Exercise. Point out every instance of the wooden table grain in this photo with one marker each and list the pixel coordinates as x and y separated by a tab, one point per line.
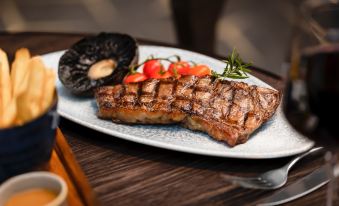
126	173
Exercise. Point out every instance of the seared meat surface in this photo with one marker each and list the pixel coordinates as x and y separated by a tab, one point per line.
227	110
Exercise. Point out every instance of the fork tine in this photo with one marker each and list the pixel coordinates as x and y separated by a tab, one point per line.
230	177
254	185
248	182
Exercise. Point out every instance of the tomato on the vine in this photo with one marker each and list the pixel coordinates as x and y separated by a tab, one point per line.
179	68
136	77
152	67
200	70
161	75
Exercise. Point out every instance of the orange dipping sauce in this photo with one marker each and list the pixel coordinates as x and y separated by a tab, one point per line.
32	197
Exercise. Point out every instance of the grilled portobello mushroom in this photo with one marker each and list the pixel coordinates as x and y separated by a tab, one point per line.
96	61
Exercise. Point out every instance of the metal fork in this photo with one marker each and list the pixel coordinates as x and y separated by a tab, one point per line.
272	179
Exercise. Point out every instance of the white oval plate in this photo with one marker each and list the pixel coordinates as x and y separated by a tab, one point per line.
274	139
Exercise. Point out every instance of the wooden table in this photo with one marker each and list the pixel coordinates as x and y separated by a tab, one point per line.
127	173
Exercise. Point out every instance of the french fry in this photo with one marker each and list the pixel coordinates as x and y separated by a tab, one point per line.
7	103
27	91
29	103
49	88
5	83
20	72
9	114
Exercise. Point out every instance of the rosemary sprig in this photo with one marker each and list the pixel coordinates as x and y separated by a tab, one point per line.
235	67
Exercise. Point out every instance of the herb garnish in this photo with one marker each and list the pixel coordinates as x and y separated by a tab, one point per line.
235	67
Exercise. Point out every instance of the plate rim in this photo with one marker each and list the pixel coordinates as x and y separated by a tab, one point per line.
179	148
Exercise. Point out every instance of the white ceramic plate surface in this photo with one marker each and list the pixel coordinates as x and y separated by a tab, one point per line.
276	138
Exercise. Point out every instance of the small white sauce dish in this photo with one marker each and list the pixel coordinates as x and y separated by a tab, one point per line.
32	180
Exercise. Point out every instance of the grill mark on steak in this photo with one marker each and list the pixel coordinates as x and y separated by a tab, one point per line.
227	110
229	99
147	93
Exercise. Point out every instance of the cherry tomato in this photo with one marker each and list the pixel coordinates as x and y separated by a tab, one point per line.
152	66
179	68
136	77
200	70
161	75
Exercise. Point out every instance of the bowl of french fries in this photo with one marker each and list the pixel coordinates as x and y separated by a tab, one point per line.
28	116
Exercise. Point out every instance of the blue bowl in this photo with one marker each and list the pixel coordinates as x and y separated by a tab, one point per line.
26	147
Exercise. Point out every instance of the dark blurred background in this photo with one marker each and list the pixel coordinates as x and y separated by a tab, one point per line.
260	30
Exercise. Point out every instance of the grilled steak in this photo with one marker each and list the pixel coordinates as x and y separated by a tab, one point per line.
227	110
